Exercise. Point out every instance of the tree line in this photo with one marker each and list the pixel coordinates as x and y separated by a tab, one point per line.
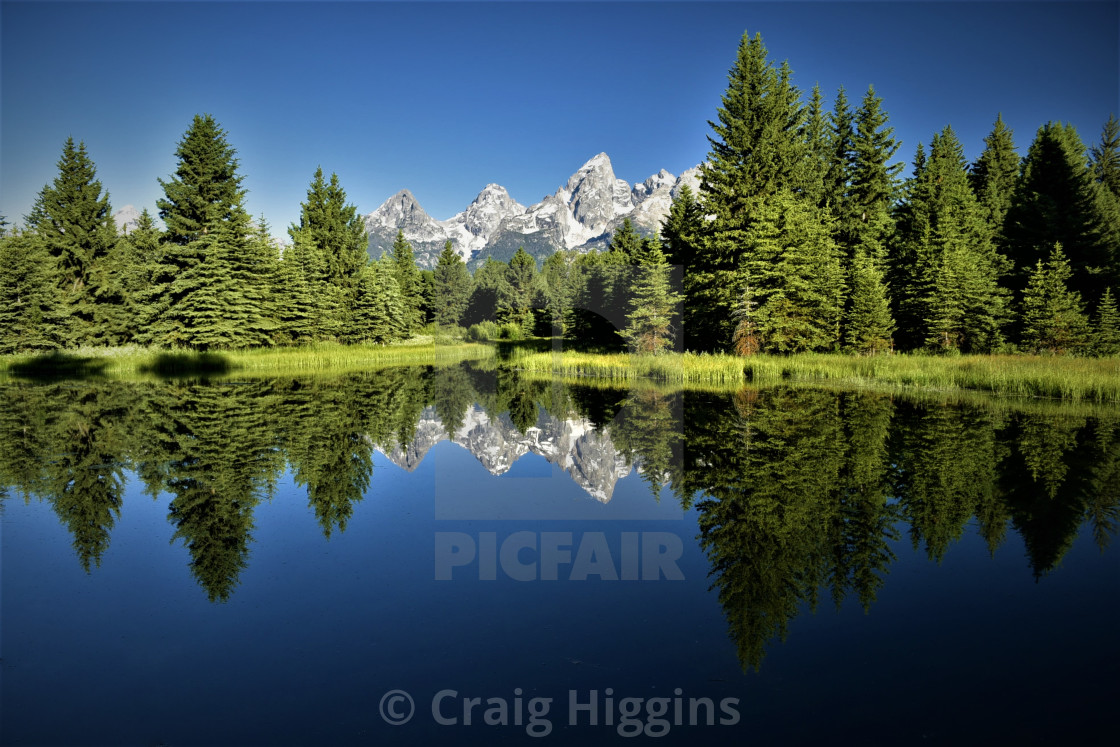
802	237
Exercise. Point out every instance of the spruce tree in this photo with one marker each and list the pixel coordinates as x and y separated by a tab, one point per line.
31	313
872	191
869	325
757	152
409	282
1106	331
377	307
682	227
796	276
993	176
1105	157
1053	320
451	288
205	188
523	285
945	270
840	155
75	221
331	243
490	287
1057	202
815	134
652	304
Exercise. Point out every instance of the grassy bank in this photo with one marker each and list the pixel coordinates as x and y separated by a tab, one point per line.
131	362
1074	379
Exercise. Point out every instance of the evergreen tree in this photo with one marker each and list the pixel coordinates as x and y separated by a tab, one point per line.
75	221
869	324
331	243
31	315
293	307
815	134
218	302
945	271
993	177
490	287
682	227
756	153
377	311
840	155
523	285
794	266
141	256
1057	202
1053	320
1105	157
652	304
451	288
1106	332
409	282
211	284
205	189
865	221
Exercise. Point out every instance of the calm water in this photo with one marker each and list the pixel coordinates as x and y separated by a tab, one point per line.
300	562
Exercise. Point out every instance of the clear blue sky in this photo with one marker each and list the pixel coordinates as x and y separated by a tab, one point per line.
443	98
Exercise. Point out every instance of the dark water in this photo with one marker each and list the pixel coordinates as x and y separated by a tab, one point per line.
265	562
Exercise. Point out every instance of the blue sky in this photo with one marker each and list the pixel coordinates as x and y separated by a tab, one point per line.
443	98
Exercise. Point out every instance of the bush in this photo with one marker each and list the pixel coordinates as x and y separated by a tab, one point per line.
483	332
511	331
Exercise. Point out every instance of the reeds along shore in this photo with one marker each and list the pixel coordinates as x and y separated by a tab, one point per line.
1092	379
1074	379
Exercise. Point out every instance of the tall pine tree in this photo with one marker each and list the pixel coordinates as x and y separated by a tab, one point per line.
74	219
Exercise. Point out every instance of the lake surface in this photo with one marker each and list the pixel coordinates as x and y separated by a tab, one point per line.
303	562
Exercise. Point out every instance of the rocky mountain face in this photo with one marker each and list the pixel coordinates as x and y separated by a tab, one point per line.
586	454
582	214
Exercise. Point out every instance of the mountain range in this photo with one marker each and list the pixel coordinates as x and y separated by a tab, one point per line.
581	214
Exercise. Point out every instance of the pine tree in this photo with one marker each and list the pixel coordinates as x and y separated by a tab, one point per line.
993	177
1105	157
869	324
682	227
1053	320
523	285
873	187
141	259
74	219
31	314
840	155
409	282
1106	332
331	243
490	287
1057	202
451	288
757	152
796	276
945	271
210	287
652	303
293	306
205	189
815	134
377	307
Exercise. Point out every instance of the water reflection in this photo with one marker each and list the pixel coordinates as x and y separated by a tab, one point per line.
798	493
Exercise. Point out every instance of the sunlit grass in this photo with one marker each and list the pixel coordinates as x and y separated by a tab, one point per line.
1094	379
132	361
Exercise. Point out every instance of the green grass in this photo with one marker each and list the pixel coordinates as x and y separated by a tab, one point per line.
1074	379
130	362
1071	379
